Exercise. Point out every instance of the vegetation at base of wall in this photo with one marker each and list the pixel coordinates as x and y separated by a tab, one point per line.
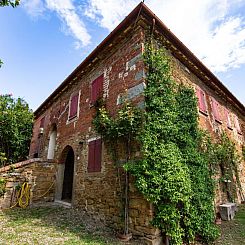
2	186
16	119
179	162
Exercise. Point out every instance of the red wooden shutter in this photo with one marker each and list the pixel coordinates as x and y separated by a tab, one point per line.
216	113
201	100
91	156
42	122
97	88
94	156
237	125
228	119
73	106
98	149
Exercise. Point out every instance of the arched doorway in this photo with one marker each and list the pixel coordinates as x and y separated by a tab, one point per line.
52	142
65	175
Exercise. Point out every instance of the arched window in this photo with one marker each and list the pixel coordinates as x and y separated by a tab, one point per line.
52	142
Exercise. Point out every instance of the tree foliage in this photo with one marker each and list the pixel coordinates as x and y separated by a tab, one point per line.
16	120
14	4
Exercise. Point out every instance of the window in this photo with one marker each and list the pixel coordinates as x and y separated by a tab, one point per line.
42	122
94	155
52	142
216	110
228	119
237	125
201	101
73	106
97	88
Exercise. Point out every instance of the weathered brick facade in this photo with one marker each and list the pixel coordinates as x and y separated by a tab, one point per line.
119	59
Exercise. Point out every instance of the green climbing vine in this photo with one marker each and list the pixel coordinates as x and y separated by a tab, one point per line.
120	131
179	161
174	174
225	160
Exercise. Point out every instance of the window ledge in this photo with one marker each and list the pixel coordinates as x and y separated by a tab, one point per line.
218	121
203	113
72	119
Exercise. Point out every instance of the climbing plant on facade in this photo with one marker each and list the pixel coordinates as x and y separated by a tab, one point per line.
174	174
226	163
119	132
178	160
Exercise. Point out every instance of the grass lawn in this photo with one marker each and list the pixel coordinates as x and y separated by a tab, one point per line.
56	225
233	232
51	225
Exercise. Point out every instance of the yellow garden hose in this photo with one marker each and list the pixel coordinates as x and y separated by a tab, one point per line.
23	195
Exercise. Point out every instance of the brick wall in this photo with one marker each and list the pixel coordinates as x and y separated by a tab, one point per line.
123	68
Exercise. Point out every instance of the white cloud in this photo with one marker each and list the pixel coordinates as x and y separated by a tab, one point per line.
34	8
66	11
209	28
108	13
206	27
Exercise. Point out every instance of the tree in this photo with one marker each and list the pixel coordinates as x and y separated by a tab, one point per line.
16	119
4	3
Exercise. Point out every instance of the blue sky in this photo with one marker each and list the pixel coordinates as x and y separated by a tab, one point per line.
43	41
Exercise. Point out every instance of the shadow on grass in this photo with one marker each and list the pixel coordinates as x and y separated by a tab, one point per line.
52	225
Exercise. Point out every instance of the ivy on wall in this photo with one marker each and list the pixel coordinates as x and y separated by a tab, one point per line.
178	161
225	160
120	132
174	174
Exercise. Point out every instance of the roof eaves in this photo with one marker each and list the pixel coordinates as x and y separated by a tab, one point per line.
127	21
167	33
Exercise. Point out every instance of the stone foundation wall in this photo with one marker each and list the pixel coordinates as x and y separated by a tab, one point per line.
39	174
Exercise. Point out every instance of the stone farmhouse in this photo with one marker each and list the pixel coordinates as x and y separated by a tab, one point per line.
63	132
